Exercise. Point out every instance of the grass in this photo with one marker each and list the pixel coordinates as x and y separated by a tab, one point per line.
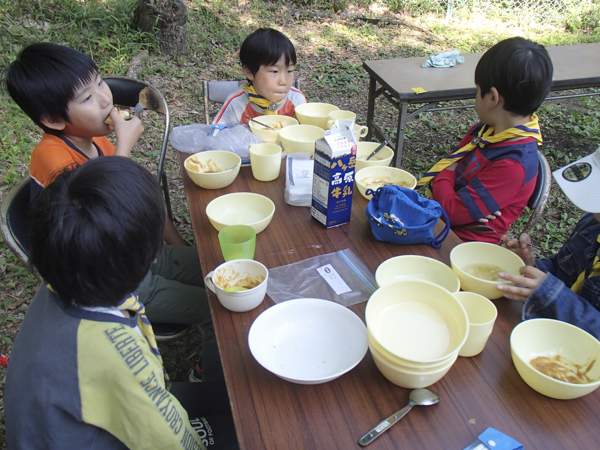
331	48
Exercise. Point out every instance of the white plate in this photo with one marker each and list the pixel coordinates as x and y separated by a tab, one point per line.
308	340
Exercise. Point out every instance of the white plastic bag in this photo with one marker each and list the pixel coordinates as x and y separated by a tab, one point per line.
195	138
298	179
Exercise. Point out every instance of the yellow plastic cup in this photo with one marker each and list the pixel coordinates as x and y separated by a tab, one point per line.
237	242
265	160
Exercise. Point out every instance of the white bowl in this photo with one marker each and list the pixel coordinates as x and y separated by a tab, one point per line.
241	208
267	135
548	337
416	267
237	273
226	166
308	340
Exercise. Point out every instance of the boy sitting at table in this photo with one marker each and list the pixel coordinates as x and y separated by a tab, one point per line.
491	175
61	90
268	60
566	286
85	371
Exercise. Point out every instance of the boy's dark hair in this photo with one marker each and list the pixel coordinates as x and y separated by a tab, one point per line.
96	229
45	77
521	71
264	47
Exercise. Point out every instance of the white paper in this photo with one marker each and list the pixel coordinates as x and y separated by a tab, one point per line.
333	278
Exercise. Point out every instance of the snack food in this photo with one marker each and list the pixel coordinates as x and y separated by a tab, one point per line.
123	113
563	369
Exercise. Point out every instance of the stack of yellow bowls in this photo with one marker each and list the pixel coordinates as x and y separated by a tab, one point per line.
416	329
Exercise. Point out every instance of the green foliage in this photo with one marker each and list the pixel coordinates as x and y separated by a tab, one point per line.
103	29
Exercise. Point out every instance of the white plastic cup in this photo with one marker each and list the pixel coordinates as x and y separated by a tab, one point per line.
481	313
265	160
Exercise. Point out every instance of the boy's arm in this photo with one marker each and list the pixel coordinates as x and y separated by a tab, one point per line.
127	133
494	188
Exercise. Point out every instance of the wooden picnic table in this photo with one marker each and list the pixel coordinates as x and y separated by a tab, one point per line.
575	67
477	393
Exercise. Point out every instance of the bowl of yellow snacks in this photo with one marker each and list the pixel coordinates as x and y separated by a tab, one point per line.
266	134
213	169
375	177
477	265
555	358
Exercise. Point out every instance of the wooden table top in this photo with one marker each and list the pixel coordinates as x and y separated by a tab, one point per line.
477	393
575	66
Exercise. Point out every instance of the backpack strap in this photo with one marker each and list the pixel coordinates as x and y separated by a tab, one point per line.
437	241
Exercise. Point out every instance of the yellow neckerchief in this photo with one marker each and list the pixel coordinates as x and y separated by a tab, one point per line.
588	273
485	137
133	304
269	106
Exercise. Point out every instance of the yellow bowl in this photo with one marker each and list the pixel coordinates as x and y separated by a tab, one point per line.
417	322
382	158
227	163
548	337
409	379
300	138
278	122
316	114
470	257
417	267
241	208
376	176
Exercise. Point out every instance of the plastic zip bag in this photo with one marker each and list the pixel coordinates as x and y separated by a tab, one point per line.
339	277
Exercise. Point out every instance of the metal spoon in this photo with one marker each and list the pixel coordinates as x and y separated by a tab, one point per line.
379	147
422	397
260	123
481	228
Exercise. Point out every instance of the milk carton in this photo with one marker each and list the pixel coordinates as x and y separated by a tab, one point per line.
333	178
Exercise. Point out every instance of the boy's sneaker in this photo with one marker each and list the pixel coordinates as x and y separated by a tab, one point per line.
196	373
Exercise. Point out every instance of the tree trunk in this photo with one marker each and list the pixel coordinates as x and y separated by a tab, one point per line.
167	18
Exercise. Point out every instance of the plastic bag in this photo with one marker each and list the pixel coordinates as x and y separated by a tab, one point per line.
339	277
298	179
195	138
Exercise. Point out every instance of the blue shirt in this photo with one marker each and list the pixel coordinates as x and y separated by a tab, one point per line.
553	297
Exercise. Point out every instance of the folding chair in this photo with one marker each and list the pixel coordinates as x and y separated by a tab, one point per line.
217	92
15	230
15	223
539	198
126	92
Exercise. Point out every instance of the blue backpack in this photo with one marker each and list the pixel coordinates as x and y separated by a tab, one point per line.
401	216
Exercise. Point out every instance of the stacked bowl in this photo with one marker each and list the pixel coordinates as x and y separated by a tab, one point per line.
416	329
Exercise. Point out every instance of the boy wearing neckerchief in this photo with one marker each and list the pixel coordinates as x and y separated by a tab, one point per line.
566	286
268	59
491	175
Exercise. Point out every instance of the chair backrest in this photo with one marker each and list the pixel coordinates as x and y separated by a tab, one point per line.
14	221
126	92
217	91
541	192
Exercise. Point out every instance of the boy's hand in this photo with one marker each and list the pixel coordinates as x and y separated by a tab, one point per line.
521	247
490	217
531	279
127	132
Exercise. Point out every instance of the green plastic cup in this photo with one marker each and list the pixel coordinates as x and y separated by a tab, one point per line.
237	242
